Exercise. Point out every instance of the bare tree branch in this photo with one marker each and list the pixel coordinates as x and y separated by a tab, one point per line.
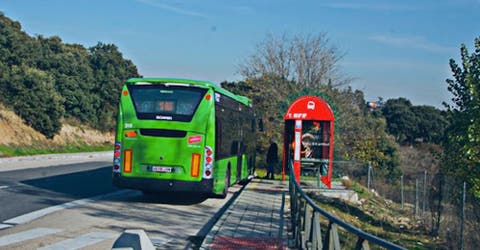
309	60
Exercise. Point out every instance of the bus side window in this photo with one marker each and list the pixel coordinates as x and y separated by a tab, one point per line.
218	134
234	148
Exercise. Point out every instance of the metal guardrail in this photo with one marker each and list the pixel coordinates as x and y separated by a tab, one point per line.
306	227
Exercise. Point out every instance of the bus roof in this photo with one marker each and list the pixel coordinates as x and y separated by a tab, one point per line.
242	99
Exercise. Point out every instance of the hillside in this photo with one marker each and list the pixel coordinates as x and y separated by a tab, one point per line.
18	138
47	82
378	216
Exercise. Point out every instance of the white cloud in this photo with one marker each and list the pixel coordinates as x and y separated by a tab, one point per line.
411	42
171	8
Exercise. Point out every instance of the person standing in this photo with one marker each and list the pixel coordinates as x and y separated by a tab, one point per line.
272	158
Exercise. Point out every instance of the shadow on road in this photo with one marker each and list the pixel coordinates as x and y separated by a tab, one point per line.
98	181
77	185
171	198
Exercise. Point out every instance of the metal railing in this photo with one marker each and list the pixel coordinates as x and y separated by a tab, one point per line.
307	232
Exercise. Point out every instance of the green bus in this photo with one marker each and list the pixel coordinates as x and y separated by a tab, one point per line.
179	135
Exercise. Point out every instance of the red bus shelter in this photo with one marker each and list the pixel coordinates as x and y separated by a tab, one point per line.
308	138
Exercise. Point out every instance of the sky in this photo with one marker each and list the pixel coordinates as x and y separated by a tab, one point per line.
390	49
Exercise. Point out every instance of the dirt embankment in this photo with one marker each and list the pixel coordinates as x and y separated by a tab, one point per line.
15	133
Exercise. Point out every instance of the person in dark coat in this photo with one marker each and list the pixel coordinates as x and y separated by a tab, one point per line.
272	158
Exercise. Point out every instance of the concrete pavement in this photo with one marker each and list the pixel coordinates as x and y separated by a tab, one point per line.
256	219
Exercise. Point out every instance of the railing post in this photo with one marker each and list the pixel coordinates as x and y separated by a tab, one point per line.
317	232
298	221
306	227
293	206
332	240
362	244
306	235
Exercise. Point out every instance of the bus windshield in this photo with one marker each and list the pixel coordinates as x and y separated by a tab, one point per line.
162	102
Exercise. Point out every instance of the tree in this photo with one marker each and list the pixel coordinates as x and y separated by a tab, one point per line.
36	100
410	123
73	77
360	135
401	121
110	70
462	145
284	68
46	81
267	94
431	124
308	60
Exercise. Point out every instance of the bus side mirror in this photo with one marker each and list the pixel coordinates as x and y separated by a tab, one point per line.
260	125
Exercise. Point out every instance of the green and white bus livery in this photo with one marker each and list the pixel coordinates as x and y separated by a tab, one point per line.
178	135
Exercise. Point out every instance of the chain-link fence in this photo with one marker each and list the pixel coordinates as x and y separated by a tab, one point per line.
441	207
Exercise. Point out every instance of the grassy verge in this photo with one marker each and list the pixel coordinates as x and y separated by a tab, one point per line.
36	149
378	216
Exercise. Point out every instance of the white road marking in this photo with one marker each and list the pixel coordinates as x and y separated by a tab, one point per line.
42	212
27	235
3	187
80	241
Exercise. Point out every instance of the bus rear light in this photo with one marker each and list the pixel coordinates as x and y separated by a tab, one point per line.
208	163
116	157
195	165
131	133
209	159
208	151
127	161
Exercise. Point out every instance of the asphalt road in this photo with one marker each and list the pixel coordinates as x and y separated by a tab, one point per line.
27	190
75	220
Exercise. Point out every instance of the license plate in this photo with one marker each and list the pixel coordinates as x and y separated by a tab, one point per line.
161	169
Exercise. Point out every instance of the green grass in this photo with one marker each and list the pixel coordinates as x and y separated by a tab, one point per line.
262	172
378	217
36	149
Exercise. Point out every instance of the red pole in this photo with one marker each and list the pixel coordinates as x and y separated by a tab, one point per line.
330	160
285	148
296	170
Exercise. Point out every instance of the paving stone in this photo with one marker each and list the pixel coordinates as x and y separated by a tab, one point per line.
253	220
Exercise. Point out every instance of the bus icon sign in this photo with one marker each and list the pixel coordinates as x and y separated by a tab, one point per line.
311	105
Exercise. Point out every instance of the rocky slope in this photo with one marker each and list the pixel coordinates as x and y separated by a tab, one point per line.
16	133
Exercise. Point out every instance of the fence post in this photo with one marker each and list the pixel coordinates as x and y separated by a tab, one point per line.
462	225
401	184
369	173
416	198
424	194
